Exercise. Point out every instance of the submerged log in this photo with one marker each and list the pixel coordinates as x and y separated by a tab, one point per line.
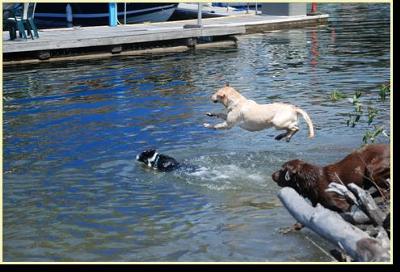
331	226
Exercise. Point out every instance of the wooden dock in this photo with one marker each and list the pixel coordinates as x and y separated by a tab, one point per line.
105	40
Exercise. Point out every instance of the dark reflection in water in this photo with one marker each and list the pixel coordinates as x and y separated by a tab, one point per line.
73	192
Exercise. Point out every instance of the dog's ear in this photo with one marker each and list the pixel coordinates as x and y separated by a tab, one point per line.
292	169
290	172
287	175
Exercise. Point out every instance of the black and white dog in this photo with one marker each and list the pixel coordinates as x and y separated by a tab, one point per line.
157	161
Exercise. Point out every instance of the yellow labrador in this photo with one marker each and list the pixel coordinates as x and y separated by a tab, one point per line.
251	116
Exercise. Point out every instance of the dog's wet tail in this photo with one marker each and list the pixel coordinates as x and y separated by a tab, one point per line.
308	121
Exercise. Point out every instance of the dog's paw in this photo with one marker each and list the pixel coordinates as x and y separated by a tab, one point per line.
294	228
281	136
207	125
298	226
285	230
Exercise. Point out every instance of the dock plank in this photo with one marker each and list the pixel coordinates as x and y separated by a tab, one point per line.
84	37
102	38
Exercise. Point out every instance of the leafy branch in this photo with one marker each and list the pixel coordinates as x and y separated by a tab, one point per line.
373	131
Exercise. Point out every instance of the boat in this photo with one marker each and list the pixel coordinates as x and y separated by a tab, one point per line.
186	11
49	15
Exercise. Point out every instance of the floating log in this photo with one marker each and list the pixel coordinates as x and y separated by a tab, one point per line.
331	226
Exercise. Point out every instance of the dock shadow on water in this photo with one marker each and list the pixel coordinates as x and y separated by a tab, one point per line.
72	190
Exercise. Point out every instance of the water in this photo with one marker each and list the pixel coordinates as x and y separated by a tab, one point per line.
73	191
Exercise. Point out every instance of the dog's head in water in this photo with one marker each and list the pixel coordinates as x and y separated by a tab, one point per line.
157	161
146	156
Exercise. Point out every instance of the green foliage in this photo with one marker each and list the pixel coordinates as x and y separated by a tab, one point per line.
371	135
384	91
373	131
355	116
372	113
337	95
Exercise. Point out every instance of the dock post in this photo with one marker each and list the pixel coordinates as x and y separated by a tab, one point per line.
256	8
124	13
314	7
199	14
313	10
68	12
113	17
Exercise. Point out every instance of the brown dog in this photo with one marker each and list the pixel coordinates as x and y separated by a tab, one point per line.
367	166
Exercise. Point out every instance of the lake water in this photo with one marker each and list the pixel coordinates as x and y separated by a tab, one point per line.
71	131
